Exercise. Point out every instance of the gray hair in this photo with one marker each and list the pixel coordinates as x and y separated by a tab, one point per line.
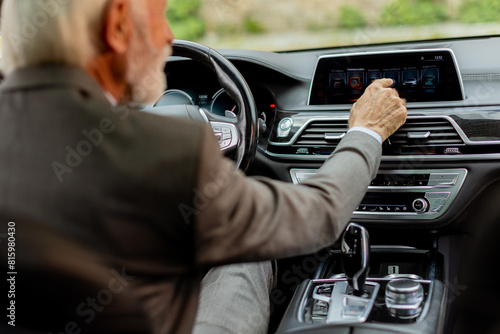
50	31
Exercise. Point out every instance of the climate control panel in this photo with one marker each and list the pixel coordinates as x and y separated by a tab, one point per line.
404	194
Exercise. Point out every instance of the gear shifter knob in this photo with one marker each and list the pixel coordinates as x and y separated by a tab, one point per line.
356	256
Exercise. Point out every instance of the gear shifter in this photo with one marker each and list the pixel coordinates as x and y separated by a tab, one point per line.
356	256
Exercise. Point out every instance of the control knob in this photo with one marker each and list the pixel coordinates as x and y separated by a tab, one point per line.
404	298
420	205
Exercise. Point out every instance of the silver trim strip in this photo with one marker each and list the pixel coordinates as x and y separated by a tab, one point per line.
334	136
204	115
383	247
372	279
462	157
418	135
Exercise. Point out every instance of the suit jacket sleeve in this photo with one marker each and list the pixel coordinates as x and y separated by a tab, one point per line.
250	219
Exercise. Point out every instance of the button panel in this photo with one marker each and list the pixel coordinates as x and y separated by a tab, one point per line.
404	194
417	180
226	134
382	208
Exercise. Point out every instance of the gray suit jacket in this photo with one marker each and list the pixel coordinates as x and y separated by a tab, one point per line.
154	195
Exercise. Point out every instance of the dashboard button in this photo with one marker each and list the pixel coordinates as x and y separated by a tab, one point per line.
284	127
420	205
286	124
225	143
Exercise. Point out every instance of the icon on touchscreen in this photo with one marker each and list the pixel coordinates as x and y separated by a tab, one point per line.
430	78
356	83
410	79
339	84
429	82
394	75
372	76
337	81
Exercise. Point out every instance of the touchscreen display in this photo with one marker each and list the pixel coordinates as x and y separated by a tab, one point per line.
420	76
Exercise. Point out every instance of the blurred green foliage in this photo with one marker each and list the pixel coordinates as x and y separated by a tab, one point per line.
350	17
474	11
414	12
248	25
185	19
253	26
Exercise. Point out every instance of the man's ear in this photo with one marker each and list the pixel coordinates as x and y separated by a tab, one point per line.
118	25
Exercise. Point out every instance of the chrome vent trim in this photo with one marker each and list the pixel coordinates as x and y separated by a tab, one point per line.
415	132
322	133
426	132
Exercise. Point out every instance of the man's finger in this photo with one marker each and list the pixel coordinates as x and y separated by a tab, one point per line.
386	83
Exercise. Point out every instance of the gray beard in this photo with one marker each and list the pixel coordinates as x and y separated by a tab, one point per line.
145	76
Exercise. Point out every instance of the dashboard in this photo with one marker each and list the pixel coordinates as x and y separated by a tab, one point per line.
433	167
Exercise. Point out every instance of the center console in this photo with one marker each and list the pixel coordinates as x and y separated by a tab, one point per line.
397	284
369	289
382	288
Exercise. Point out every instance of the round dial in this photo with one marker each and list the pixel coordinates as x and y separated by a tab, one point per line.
174	97
224	105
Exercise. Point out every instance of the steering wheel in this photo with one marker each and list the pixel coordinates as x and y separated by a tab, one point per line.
237	135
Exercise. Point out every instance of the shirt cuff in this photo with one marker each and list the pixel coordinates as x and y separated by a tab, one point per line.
368	132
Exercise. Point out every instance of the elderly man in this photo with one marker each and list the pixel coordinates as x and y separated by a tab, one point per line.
113	179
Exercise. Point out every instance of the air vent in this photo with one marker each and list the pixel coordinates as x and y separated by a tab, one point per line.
418	136
428	132
322	133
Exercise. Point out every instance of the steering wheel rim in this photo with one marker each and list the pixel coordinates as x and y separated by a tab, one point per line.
235	85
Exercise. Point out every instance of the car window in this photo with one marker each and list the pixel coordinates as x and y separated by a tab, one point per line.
300	24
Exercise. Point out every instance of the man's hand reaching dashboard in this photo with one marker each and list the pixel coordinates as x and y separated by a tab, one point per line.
379	109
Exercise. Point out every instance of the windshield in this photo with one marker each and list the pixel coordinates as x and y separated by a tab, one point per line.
277	25
281	25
